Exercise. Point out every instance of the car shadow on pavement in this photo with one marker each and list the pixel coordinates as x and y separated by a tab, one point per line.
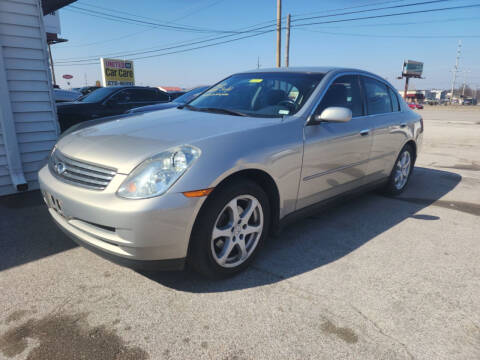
27	232
327	236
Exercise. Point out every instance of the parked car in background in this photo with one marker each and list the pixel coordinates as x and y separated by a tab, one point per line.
172	91
107	101
61	95
188	96
87	89
206	183
415	106
175	94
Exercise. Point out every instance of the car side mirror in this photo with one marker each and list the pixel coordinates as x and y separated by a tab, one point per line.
333	114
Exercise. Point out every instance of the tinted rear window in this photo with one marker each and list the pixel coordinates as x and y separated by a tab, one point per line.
378	98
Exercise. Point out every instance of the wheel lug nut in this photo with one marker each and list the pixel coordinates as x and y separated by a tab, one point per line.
244	226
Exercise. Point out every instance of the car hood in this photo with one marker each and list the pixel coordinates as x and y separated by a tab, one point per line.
154	107
124	143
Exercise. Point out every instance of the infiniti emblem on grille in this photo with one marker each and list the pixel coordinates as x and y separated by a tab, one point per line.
60	168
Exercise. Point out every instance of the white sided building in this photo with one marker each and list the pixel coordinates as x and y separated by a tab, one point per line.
28	120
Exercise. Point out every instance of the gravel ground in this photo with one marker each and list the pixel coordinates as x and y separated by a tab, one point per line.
374	278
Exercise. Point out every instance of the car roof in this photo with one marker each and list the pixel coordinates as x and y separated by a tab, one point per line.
130	86
306	70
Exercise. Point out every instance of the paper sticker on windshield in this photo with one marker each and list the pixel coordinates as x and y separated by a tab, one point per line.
284	112
255	80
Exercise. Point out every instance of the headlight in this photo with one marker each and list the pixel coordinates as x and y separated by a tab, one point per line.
156	175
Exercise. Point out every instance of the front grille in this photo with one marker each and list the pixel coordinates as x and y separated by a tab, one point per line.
80	173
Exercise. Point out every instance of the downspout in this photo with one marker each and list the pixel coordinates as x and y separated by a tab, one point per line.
7	124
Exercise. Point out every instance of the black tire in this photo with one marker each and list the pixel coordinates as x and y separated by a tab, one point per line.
200	256
391	188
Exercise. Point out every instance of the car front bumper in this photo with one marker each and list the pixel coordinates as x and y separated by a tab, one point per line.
135	233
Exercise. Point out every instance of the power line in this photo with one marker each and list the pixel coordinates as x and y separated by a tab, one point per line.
130	13
198	10
350	7
134	33
388	15
131	20
201	8
170	22
149	50
369	10
185	50
394	36
86	61
399	23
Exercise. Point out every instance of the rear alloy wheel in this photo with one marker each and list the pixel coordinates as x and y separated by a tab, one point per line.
401	172
230	229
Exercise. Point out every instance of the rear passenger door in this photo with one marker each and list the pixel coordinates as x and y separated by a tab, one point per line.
383	110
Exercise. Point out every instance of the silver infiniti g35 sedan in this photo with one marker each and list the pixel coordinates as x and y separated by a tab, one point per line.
205	183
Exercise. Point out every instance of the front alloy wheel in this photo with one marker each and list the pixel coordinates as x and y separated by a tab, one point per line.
236	231
230	229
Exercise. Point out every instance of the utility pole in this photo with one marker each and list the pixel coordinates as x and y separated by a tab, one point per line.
258	62
455	69
86	82
279	32
51	65
287	45
405	90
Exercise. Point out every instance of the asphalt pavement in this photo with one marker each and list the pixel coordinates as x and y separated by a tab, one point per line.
372	278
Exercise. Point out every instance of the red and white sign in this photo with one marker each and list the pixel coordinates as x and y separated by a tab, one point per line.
67	76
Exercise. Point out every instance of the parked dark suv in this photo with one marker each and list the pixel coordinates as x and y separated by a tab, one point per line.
107	101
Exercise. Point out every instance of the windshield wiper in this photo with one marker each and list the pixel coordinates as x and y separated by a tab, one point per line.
213	109
221	111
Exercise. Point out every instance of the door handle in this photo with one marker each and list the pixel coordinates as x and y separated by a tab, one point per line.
402	125
365	132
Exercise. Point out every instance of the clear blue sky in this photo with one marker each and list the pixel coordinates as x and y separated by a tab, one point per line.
378	45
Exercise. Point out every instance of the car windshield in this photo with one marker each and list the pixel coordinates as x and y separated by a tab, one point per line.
190	95
258	94
98	95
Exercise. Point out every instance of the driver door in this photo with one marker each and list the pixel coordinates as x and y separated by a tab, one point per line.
336	155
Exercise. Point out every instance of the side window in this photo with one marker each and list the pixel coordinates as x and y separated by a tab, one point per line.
121	97
143	95
161	96
378	98
395	103
344	92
